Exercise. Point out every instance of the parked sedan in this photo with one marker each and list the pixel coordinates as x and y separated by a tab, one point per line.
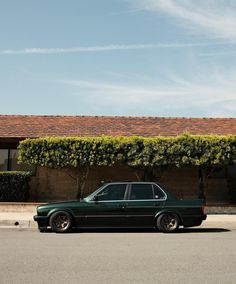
123	205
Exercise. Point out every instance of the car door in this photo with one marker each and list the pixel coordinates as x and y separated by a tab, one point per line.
107	207
142	204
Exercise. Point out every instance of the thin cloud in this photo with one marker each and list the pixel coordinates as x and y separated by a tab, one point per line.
182	97
217	54
114	92
217	90
217	18
104	48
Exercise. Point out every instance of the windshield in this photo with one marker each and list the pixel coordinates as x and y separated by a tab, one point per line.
90	197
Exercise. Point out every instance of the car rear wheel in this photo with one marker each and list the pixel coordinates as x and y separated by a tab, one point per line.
60	222
168	222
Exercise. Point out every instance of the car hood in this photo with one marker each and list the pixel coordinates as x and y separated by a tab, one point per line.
64	204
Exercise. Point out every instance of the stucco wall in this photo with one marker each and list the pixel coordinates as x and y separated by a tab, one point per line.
57	184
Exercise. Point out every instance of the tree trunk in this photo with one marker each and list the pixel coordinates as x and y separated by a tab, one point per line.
203	184
149	174
82	178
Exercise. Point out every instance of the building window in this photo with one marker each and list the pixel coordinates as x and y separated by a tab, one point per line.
3	159
8	162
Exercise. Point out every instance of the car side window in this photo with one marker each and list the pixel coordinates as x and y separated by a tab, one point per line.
158	193
112	192
141	192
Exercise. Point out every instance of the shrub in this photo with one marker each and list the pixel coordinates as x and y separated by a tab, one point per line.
177	151
14	186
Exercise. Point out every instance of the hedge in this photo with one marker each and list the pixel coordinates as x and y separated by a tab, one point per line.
132	151
14	186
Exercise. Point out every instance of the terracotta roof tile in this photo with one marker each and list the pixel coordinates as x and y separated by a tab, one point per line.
22	126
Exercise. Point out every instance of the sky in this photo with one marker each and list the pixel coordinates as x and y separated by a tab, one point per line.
171	58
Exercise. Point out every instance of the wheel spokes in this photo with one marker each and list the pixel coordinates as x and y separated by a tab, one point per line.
169	222
61	221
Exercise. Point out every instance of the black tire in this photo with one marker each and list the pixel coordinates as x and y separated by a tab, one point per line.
42	230
167	222
60	222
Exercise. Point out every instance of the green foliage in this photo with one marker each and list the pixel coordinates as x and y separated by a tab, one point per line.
132	151
14	186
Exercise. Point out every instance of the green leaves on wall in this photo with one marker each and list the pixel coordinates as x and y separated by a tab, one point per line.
14	186
132	151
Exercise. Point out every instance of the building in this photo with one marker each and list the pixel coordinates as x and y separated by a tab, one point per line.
56	184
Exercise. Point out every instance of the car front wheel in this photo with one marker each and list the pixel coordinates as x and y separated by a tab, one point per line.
168	222
60	222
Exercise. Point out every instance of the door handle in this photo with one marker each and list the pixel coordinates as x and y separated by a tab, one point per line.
122	206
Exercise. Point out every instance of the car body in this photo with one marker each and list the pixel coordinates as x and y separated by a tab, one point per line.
123	205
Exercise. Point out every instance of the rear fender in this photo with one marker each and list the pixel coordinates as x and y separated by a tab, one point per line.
159	213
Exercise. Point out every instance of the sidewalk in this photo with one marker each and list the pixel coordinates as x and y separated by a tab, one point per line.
17	220
220	221
17	215
24	219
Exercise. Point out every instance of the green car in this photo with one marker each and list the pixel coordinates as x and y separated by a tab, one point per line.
123	205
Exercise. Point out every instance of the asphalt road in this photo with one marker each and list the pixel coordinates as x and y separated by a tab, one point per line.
201	255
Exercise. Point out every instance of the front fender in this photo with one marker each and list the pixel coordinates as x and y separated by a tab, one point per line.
68	210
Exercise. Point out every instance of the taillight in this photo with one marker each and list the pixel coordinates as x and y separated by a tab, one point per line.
202	210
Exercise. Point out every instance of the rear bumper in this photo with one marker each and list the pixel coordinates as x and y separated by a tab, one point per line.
193	221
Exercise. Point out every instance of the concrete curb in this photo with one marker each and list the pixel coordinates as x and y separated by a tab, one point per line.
220	210
25	221
21	224
17	207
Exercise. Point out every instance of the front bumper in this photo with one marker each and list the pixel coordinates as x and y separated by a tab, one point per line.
42	221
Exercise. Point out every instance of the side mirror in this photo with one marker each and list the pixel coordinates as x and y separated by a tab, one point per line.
95	198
